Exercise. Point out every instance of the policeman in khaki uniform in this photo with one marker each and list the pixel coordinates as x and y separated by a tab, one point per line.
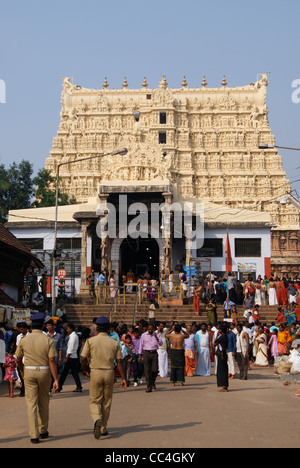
39	354
98	362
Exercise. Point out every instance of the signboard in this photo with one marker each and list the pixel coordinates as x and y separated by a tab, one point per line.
61	274
20	315
247	267
190	271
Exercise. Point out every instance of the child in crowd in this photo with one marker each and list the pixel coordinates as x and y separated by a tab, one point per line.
127	357
10	365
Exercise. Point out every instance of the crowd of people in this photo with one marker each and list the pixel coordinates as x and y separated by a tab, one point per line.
196	345
140	354
230	293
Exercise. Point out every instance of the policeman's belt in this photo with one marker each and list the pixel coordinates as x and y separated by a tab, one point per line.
37	367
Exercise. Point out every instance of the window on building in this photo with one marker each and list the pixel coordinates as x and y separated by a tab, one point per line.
33	243
69	243
211	248
248	247
162	138
162	118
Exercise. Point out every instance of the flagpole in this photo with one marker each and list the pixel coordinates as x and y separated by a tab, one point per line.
227	268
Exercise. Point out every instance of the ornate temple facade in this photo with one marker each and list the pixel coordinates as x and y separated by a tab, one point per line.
200	143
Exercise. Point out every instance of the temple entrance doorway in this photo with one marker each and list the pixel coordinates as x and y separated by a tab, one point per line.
141	256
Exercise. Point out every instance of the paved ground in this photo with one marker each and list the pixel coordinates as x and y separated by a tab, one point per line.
260	412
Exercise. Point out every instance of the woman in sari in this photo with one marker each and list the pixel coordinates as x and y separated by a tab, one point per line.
112	286
297	311
261	349
281	318
282	296
234	315
284	340
197	297
273	345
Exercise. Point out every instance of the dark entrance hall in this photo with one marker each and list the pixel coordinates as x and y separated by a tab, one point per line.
141	256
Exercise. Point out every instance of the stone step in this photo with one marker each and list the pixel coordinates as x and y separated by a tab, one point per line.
82	315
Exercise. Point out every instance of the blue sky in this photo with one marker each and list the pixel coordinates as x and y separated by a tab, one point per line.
43	41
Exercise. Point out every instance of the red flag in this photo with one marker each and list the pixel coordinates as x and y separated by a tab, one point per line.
228	253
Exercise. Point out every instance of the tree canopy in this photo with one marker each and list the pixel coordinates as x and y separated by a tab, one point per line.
20	190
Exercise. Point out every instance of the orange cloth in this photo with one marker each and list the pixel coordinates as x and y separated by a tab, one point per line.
297	311
196	301
282	297
284	338
190	363
281	318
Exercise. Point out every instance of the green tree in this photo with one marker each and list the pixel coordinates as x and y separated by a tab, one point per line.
4	185
45	191
21	189
16	187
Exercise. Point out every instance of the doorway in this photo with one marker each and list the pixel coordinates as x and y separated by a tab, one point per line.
141	256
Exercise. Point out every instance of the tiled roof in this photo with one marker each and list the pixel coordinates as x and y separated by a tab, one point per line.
7	238
6	300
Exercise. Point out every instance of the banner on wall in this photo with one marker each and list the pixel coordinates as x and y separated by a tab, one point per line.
20	315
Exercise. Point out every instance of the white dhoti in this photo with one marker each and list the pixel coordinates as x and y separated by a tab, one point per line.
162	363
231	364
203	362
293	299
272	296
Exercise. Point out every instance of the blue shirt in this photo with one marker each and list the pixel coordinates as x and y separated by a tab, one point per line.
101	278
231	342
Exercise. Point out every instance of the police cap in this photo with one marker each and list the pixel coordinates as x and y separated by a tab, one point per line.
102	321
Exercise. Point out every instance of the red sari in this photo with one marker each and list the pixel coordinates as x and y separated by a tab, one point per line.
281	293
297	311
196	302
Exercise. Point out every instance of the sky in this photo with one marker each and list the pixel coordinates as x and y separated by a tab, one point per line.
41	42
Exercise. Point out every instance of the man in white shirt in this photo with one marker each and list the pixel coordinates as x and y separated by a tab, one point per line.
23	329
71	360
163	351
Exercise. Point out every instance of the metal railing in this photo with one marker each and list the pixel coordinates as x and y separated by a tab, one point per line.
124	294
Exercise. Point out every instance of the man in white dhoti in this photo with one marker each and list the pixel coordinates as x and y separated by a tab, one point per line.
272	293
203	367
163	351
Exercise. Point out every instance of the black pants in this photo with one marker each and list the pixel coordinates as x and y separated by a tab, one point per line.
150	368
222	369
22	390
243	366
72	365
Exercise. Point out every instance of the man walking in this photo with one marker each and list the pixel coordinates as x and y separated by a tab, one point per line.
163	351
242	351
150	341
56	337
202	343
39	355
177	354
98	363
71	360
